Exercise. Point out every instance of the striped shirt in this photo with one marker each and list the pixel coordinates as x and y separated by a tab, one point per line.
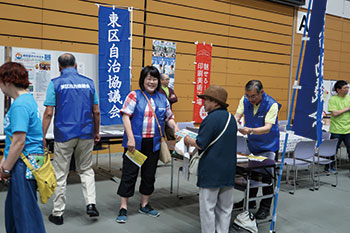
149	122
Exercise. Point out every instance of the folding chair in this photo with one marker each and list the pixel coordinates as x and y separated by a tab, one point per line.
327	155
303	157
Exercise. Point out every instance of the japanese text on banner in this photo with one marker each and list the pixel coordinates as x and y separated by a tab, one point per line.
114	62
202	79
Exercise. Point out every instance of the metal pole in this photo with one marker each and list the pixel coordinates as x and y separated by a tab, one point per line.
274	216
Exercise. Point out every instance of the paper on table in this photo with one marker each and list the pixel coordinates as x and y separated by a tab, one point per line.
137	157
256	158
242	158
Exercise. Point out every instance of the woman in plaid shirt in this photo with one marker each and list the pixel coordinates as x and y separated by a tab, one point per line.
142	133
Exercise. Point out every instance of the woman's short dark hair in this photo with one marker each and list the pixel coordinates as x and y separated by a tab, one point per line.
153	71
15	73
339	84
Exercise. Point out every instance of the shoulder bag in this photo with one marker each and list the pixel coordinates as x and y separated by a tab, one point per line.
45	177
193	165
164	153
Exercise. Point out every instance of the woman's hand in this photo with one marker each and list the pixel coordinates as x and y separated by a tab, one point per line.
3	176
131	145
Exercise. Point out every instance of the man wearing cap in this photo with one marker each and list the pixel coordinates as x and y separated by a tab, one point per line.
261	125
217	166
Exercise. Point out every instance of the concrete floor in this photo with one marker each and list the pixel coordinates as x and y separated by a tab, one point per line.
323	211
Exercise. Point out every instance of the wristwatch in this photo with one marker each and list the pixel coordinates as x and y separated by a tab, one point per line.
6	172
251	132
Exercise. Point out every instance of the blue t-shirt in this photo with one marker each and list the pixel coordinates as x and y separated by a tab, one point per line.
24	116
51	96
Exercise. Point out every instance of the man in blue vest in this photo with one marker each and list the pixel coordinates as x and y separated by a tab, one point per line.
73	99
261	125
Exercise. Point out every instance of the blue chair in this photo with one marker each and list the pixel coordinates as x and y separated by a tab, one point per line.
303	157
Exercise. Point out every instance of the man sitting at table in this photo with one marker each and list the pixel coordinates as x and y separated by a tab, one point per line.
260	113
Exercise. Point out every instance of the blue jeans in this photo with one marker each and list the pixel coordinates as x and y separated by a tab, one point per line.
22	213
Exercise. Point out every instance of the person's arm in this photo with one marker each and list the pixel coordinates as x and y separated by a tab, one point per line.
171	123
172	96
260	130
336	113
238	116
48	114
16	148
129	133
96	116
270	119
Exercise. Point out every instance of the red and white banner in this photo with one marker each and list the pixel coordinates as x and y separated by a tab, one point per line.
203	62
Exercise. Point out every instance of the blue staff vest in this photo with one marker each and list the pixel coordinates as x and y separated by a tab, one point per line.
264	142
74	102
137	118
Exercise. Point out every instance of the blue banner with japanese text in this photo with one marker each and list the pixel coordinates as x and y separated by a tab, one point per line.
114	62
309	107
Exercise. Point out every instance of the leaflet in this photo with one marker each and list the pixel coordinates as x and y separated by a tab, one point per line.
137	157
184	132
256	158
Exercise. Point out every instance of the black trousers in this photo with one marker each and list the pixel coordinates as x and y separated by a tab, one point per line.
265	178
131	171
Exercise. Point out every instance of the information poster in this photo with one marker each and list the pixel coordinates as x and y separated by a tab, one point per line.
163	57
38	64
42	66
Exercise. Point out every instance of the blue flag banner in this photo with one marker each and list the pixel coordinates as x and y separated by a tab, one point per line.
309	107
114	62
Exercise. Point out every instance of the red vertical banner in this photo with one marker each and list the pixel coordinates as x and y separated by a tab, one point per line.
202	80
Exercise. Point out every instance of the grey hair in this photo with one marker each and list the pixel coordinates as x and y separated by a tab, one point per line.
254	84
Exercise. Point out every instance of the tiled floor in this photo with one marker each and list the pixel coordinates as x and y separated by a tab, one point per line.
323	211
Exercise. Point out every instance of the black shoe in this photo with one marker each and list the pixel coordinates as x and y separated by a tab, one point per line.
92	211
58	220
239	205
262	213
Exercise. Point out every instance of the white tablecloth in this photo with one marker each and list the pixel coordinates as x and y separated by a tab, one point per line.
292	141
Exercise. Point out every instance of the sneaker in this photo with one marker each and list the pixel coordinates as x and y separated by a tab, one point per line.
262	213
332	170
148	210
122	216
58	220
239	205
92	211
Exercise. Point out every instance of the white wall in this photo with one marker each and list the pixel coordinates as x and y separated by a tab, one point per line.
336	7
2	97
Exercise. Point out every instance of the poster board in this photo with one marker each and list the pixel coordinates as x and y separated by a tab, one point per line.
42	66
2	96
329	92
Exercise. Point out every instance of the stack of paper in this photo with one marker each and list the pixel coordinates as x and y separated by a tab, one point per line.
242	158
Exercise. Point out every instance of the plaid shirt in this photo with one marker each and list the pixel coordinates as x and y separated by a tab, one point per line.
149	122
